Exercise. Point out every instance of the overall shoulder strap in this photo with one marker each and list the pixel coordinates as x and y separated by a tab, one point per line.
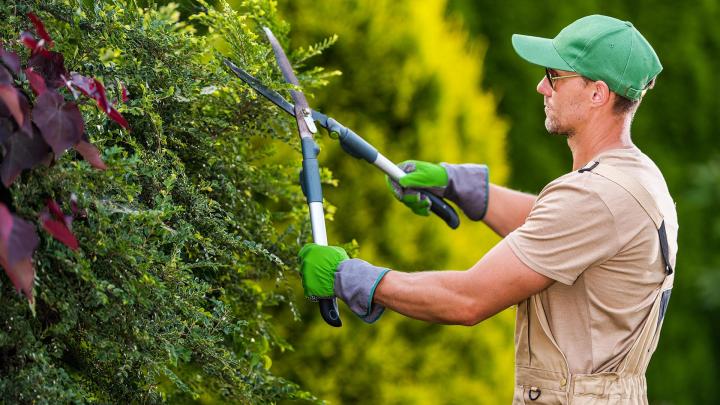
641	195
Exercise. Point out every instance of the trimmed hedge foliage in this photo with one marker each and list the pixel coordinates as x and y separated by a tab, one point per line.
190	234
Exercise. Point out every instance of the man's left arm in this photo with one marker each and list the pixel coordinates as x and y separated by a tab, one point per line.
494	283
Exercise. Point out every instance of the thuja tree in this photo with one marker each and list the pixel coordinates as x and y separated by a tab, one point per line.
184	239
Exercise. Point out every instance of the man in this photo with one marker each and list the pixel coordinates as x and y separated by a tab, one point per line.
589	261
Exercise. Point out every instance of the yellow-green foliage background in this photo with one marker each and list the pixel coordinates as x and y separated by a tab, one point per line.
410	86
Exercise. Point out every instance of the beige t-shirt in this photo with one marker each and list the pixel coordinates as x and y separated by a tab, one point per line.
591	236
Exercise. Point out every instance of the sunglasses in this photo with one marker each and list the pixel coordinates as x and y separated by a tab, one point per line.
549	74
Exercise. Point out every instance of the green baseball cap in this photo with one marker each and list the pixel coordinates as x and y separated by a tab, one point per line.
599	48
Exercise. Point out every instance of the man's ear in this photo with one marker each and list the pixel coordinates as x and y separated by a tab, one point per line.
601	93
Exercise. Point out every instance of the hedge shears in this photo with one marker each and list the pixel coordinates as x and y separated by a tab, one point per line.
350	142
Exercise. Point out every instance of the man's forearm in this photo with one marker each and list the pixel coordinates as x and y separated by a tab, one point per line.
507	209
494	283
433	296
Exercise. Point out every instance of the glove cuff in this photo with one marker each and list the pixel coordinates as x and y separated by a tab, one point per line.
468	187
355	283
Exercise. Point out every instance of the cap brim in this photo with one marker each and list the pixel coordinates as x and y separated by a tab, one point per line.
539	51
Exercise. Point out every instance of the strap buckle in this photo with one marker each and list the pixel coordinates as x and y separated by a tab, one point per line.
588	167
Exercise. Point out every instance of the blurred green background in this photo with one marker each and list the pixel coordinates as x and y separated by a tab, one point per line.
438	80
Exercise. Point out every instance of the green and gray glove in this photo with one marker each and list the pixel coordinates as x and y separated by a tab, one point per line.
421	174
318	266
464	184
327	272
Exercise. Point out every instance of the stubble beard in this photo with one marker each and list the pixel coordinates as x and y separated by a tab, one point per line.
554	127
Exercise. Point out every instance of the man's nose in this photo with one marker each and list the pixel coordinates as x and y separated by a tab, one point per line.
543	87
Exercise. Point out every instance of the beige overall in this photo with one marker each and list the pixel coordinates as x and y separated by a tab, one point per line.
541	372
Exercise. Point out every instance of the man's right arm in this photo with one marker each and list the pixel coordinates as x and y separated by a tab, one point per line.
468	186
507	209
502	209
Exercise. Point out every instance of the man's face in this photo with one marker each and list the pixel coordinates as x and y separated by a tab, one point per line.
566	105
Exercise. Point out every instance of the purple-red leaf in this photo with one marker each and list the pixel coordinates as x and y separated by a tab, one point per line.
55	209
76	211
23	240
85	84
10	59
27	126
22	152
5	76
6	129
22	275
58	231
60	122
29	41
11	98
58	225
6	222
101	97
94	89
40	29
124	97
74	204
59	215
90	153
18	241
37	82
14	106
117	117
50	65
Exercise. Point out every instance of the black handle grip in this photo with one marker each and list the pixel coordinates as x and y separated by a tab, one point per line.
329	311
442	209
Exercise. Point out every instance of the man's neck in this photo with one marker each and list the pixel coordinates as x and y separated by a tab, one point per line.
598	136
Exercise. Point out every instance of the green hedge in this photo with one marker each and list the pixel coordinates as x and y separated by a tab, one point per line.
190	234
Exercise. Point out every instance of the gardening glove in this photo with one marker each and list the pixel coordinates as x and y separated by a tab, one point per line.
464	184
327	272
423	175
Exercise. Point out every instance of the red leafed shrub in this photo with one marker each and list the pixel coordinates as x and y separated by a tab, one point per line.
58	224
36	128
